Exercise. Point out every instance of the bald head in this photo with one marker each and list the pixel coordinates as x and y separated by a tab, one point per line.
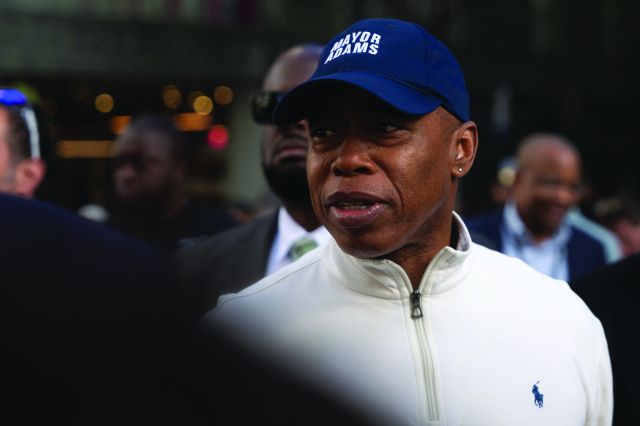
541	147
547	183
292	67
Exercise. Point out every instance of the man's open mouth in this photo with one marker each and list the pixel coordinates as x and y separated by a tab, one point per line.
355	210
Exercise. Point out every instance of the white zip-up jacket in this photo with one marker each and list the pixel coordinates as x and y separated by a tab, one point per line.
485	339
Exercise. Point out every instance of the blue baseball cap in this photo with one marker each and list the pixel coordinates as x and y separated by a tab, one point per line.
397	61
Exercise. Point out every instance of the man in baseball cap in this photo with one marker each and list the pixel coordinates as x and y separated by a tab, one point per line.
401	313
398	62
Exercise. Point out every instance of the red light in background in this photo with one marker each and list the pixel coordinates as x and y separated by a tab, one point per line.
218	137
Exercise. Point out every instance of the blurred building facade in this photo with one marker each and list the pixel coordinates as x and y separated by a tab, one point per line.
561	65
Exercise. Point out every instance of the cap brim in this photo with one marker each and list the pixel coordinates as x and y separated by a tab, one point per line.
295	105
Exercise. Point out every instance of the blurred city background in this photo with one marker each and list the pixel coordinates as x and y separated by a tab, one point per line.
569	66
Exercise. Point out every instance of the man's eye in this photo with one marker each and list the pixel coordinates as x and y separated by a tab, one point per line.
387	128
322	133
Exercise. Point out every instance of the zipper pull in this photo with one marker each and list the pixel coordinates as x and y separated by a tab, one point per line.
416	309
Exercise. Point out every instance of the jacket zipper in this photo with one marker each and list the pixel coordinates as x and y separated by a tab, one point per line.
416	309
425	355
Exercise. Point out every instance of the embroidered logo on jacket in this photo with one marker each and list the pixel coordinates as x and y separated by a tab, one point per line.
538	397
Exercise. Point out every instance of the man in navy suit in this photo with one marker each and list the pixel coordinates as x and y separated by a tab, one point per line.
533	224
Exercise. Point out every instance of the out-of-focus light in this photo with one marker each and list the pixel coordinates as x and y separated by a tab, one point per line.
168	87
84	148
104	102
203	105
223	95
192	122
119	123
94	212
171	96
506	176
218	137
507	171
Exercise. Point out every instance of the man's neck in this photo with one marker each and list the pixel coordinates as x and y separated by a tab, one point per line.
415	258
538	235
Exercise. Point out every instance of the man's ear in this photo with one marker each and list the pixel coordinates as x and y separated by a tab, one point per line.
28	176
465	143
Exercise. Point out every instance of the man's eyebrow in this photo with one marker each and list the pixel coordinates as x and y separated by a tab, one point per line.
324	112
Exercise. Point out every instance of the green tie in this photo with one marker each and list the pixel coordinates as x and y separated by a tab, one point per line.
301	246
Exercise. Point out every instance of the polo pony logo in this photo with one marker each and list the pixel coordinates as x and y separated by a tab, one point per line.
538	397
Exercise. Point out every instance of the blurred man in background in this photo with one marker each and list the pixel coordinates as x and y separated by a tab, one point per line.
533	224
21	166
232	260
150	174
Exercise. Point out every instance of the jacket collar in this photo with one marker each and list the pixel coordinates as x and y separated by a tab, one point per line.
386	279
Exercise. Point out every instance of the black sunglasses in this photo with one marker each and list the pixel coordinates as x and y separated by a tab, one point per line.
14	98
262	105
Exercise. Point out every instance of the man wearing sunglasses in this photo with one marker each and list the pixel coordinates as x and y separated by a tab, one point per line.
21	166
232	260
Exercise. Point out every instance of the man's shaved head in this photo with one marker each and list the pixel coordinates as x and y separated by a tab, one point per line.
534	146
547	182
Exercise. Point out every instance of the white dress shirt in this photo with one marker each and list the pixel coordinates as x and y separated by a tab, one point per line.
288	232
549	257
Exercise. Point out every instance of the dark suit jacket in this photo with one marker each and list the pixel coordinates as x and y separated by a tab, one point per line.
585	253
612	294
223	263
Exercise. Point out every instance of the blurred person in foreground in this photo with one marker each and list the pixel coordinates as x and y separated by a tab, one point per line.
90	337
230	261
82	311
401	314
21	167
150	175
533	225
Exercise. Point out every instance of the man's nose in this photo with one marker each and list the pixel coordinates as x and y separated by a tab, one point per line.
567	195
353	158
126	170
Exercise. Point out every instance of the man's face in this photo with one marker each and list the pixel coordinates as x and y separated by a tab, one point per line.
284	148
144	169
380	180
7	169
546	188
